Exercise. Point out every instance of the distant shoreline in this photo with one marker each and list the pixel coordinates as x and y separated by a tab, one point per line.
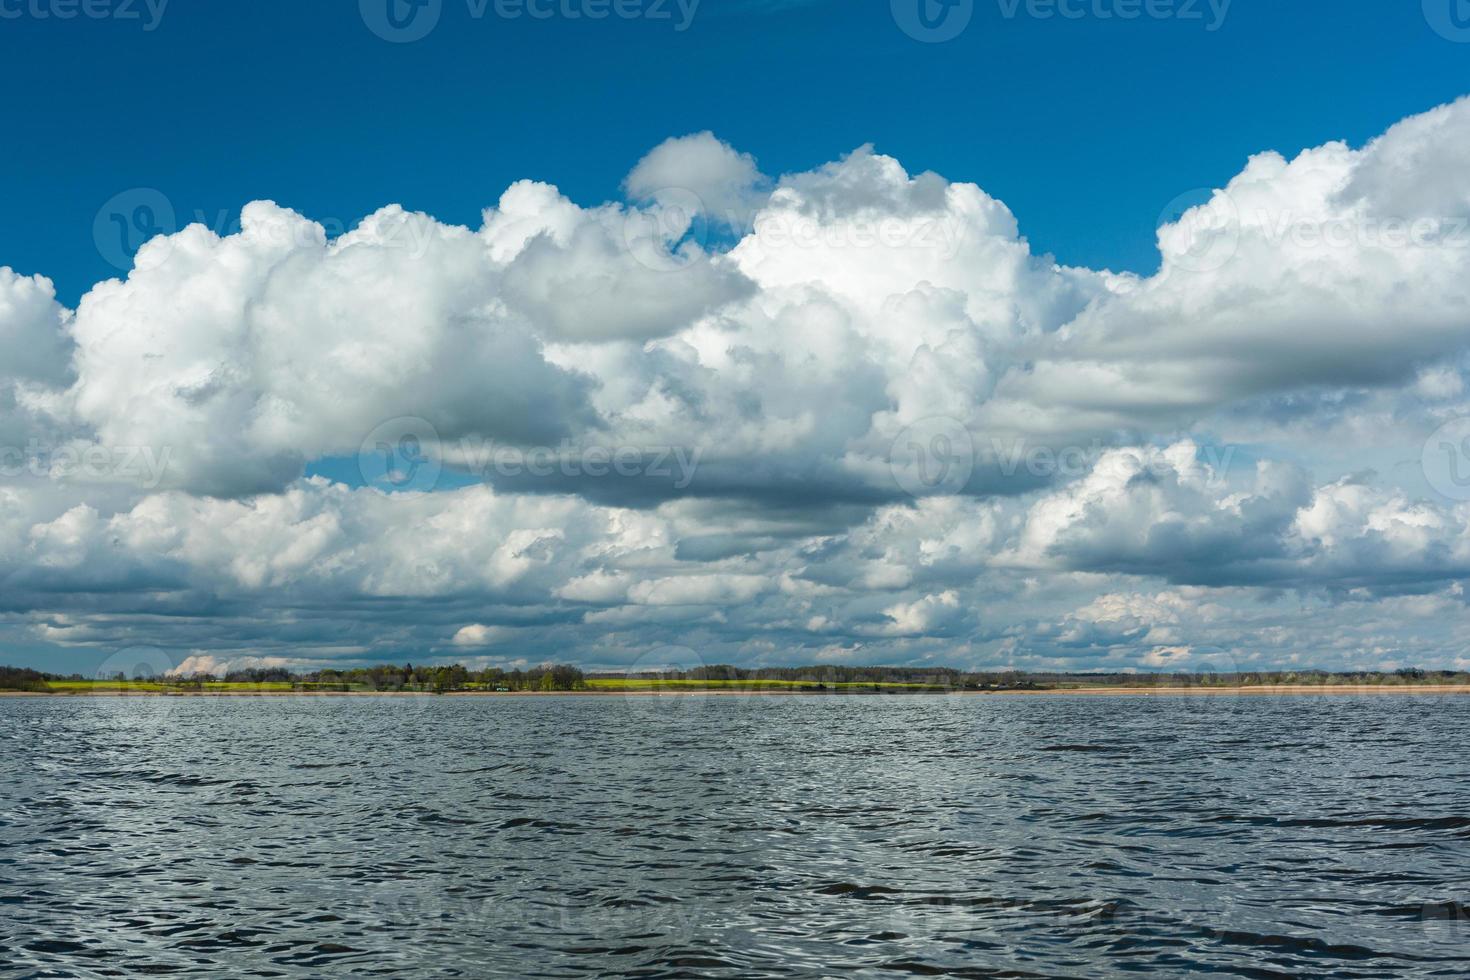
1132	692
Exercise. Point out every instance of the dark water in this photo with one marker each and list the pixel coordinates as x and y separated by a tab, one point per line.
735	837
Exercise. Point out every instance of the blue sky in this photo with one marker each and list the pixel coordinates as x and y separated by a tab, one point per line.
1139	339
1085	127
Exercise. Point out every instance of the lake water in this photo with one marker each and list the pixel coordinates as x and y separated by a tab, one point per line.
735	837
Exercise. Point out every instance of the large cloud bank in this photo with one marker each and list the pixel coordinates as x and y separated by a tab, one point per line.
848	415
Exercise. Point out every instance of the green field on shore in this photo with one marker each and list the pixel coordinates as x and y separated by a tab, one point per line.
656	684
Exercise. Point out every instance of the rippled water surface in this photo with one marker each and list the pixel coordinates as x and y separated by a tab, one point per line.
735	837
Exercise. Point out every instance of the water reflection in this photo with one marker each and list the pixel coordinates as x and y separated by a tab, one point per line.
734	837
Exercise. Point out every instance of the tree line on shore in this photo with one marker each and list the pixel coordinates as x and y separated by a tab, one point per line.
455	677
22	679
562	677
954	679
381	677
